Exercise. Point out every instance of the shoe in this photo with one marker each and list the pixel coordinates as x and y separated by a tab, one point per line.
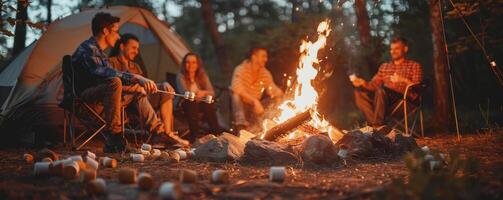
115	143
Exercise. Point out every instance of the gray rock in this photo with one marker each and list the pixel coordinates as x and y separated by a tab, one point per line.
200	141
318	149
224	148
404	144
356	143
267	152
381	143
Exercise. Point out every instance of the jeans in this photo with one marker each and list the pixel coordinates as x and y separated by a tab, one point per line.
374	104
110	93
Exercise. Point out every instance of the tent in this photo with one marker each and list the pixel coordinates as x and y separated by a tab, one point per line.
33	79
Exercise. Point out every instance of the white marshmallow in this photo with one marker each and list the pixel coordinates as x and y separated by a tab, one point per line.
41	168
277	174
425	149
146	147
156	152
138	157
91	163
76	158
169	190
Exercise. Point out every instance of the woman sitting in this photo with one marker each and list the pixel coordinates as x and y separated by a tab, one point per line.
193	78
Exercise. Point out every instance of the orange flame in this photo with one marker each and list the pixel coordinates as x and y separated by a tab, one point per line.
305	96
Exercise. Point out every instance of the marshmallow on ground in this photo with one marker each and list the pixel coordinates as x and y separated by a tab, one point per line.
137	157
174	157
169	190
425	149
164	156
90	155
156	152
41	168
87	175
91	163
220	176
28	158
188	176
96	187
109	162
145	153
71	169
127	175
145	181
76	158
277	174
182	153
146	147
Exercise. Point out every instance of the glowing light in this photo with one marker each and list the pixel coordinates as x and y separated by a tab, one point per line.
305	96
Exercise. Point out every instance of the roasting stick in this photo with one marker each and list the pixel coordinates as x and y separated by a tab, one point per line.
189	96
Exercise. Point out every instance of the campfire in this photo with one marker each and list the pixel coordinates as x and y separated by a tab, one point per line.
298	116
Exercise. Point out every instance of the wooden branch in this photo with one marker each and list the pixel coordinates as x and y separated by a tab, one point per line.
285	127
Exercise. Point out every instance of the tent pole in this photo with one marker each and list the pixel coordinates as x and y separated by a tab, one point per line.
453	98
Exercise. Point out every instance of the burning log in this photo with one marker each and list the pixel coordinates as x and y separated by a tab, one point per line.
285	127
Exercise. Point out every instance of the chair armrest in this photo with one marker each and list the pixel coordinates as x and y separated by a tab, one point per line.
415	86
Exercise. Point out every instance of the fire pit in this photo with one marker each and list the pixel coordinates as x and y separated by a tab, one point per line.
298	132
298	116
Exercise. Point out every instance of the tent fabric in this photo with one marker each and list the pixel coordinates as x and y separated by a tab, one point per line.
39	65
9	75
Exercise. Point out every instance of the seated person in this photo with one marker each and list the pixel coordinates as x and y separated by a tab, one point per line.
388	85
193	78
122	59
97	81
249	81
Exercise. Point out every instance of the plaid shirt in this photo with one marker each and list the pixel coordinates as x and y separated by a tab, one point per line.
255	83
92	66
408	69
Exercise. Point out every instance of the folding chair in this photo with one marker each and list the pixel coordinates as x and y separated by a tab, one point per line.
75	107
416	110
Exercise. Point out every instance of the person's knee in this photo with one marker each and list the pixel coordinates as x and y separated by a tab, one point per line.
114	83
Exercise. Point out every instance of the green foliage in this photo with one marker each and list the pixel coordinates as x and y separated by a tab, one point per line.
431	177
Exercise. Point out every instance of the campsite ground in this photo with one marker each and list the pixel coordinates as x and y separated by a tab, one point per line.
356	180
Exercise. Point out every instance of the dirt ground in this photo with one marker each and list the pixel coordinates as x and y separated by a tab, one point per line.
354	181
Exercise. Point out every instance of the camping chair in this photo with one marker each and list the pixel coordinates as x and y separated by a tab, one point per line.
75	107
415	110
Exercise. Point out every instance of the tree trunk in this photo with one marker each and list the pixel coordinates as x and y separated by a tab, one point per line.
365	38
440	69
20	31
218	43
49	11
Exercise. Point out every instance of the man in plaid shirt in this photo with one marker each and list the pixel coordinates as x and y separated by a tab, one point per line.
96	81
388	85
